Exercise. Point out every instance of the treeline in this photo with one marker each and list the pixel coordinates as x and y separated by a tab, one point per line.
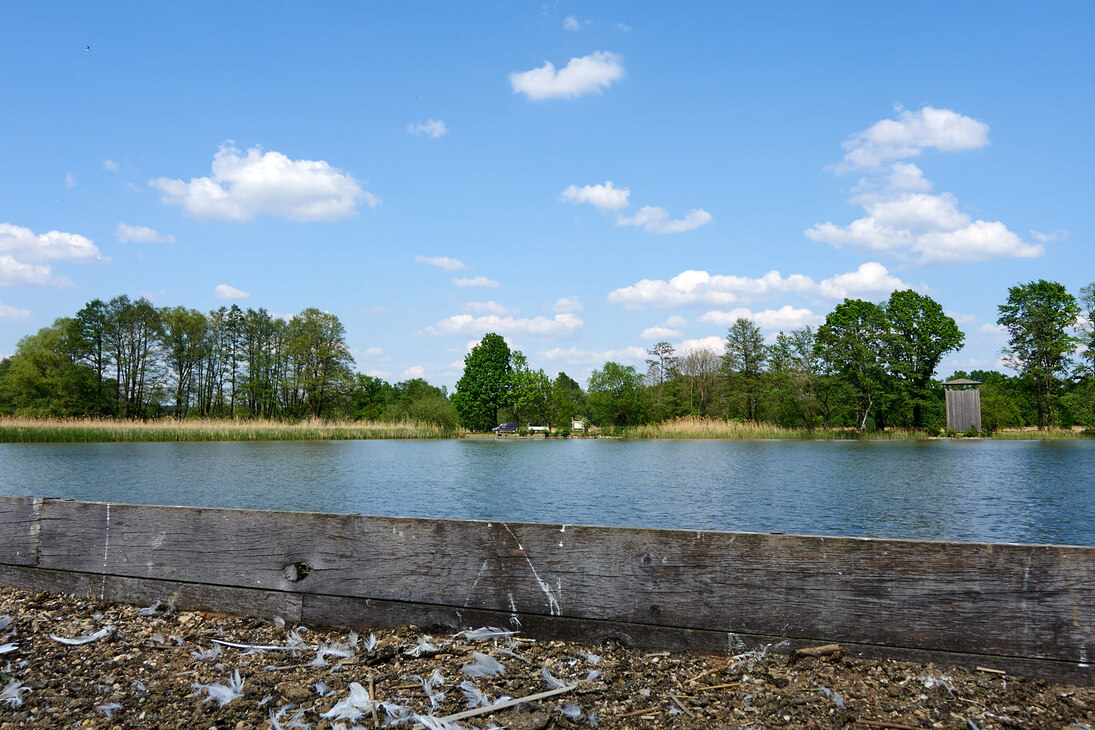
126	358
869	366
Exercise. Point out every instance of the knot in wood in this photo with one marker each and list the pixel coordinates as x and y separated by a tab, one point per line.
295	572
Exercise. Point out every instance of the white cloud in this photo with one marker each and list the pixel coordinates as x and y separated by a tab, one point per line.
576	356
11	314
224	291
714	343
587	75
700	287
870	279
15	272
572	23
109	164
603	197
415	371
373	352
444	262
671	327
991	328
477	281
382	374
24	245
567	304
910	134
902	217
243	186
466	324
490	307
152	295
431	128
141	234
70	180
785	318
655	219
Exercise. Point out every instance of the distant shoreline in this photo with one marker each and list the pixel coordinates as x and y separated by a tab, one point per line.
28	430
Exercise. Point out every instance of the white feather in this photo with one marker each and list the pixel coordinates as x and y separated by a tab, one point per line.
108	709
484	666
486	633
223	694
12	694
552	682
353	707
424	648
473	696
5	648
100	634
436	723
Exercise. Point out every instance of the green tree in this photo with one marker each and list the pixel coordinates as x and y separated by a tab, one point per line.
615	395
133	334
184	343
918	334
316	343
699	371
1037	317
850	344
1086	325
565	402
528	391
41	379
793	370
483	388
89	338
743	362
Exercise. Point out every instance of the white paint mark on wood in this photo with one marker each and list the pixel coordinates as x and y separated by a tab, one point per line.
553	603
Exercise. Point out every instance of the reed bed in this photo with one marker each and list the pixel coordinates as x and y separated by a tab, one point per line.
30	430
711	428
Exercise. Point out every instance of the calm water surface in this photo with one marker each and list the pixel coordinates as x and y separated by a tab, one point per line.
1027	491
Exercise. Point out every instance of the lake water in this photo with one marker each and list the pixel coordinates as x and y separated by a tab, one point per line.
997	491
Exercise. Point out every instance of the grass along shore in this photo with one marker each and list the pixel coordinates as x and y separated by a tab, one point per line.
86	430
33	430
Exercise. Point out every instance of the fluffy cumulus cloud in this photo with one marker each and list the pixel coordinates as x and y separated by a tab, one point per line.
652	218
560	325
605	197
671	327
577	356
590	74
70	180
903	217
24	255
700	287
415	371
243	186
910	134
12	314
490	307
141	234
430	128
784	318
224	291
477	281
443	262
109	164
712	343
567	304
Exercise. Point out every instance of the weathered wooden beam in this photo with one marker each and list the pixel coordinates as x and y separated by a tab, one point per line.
19	525
1022	602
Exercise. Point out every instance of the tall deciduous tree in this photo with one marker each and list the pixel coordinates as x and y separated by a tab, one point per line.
528	391
919	333
482	390
615	394
743	361
321	360
850	344
1037	317
1086	325
184	344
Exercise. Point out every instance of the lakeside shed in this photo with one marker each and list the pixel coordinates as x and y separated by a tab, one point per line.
963	404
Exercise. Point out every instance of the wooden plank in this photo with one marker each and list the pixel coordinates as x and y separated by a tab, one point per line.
19	530
1006	600
143	592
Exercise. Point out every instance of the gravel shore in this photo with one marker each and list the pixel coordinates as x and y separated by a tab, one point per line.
154	667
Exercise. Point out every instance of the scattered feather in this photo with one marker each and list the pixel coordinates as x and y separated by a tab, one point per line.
5	621
473	696
279	622
435	680
593	719
552	682
369	643
294	723
108	709
486	633
436	723
138	685
100	634
12	694
591	658
395	713
343	651
149	610
424	648
594	674
513	654
210	654
5	648
484	666
834	696
353	707
223	694
253	647
571	711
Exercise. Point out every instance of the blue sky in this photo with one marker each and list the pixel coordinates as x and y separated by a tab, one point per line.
586	178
